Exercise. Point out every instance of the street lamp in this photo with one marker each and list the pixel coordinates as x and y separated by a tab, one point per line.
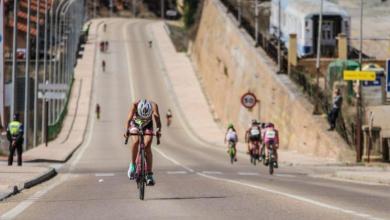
26	75
316	110
14	46
36	74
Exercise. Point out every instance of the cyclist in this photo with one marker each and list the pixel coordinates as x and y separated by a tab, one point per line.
253	137
169	117
271	136
142	113
150	44
97	110
104	27
105	46
262	152
231	137
104	65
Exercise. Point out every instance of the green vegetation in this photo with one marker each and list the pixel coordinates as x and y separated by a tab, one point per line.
190	9
55	128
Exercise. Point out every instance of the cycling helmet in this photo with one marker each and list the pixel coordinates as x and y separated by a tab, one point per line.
144	109
263	125
255	122
270	125
230	125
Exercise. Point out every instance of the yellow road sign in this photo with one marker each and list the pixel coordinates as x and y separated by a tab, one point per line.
359	75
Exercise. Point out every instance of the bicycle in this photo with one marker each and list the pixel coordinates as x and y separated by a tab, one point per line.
232	152
104	66
271	159
141	165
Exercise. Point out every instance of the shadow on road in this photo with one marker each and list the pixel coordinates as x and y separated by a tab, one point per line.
189	198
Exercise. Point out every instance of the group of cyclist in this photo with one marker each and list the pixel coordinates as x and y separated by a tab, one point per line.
259	137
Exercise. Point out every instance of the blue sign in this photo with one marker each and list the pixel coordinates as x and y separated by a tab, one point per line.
388	75
377	81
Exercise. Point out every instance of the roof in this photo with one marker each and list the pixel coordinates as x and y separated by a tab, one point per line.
304	8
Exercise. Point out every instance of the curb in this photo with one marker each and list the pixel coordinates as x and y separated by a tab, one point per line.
50	173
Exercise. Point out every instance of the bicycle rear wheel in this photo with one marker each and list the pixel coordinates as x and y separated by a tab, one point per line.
142	180
271	162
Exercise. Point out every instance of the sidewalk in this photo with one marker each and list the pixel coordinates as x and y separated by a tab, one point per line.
183	80
13	178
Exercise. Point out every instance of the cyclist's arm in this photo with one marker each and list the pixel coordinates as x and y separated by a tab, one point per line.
156	115
247	135
130	115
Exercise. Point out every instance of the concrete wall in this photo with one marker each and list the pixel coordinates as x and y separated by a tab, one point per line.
228	66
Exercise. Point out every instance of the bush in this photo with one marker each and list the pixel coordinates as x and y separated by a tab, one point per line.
190	8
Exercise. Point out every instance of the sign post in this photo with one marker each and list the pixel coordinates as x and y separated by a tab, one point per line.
388	78
2	123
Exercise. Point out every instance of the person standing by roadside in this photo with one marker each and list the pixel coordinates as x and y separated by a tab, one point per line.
15	137
336	107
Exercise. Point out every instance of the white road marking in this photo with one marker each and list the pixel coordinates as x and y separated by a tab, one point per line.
104	174
291	196
173	160
248	174
212	172
13	213
269	190
285	175
177	172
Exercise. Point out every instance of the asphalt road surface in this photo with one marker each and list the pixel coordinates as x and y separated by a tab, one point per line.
193	180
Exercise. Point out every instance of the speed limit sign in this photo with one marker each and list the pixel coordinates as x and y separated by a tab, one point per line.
248	100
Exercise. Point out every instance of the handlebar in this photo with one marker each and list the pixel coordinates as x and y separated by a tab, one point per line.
136	134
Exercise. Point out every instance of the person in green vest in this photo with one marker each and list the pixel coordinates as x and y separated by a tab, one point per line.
15	137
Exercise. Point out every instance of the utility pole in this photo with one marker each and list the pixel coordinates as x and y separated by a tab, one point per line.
279	36
256	23
134	8
316	110
14	64
94	8
36	76
359	106
162	9
111	7
26	75
44	71
239	13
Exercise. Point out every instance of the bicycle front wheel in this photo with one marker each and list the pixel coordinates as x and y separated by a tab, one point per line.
142	180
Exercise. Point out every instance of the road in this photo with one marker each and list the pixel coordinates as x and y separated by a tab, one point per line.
193	180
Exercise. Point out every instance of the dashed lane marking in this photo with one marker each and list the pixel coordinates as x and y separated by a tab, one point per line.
104	174
212	172
248	174
177	172
284	175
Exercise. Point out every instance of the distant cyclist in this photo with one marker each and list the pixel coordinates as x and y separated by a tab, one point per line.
271	136
104	27
142	113
231	138
253	137
169	117
104	65
150	44
97	110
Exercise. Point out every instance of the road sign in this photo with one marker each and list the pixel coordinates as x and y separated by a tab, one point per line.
51	95
248	100
388	75
57	87
359	75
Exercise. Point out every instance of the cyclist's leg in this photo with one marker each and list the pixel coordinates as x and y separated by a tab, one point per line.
148	151
134	148
235	150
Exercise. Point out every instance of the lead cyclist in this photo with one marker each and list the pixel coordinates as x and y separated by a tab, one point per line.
141	114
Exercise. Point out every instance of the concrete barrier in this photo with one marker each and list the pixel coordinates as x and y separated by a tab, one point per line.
228	66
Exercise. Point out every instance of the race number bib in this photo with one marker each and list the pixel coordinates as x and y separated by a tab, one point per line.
255	132
270	134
